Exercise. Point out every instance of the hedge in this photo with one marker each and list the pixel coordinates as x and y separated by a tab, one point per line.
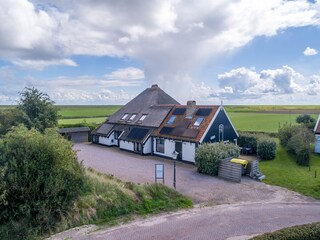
208	156
307	231
261	144
266	148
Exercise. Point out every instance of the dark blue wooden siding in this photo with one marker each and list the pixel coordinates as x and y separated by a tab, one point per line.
229	133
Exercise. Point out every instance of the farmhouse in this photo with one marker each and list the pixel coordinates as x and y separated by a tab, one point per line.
316	131
155	123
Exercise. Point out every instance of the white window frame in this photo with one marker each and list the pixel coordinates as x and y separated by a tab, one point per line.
133	116
197	123
125	116
143	117
221	132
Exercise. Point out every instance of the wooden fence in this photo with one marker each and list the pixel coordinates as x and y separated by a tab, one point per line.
229	170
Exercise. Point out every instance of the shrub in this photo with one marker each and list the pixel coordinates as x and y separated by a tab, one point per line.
209	154
285	133
266	148
43	178
248	140
299	145
307	231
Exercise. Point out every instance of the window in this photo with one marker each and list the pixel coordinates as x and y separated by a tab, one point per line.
124	116
132	117
160	145
198	122
171	120
117	134
137	147
221	132
143	117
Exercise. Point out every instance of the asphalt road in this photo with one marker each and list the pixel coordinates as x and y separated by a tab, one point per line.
221	222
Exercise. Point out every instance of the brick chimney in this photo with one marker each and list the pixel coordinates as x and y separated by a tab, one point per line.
191	108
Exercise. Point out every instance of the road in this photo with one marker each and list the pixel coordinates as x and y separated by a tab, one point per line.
236	221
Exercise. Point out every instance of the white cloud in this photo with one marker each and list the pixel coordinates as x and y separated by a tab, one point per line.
41	64
310	51
129	73
171	37
244	83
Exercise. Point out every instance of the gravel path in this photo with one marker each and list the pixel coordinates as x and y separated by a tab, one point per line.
199	187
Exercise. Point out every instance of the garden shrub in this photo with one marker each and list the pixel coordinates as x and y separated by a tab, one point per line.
248	140
266	148
299	144
42	179
286	132
208	156
307	231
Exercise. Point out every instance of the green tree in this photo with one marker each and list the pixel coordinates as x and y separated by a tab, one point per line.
40	179
39	109
11	117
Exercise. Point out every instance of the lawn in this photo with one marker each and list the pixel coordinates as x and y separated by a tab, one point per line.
283	171
263	122
94	120
87	111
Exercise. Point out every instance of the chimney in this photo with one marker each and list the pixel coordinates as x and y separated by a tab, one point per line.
191	108
153	86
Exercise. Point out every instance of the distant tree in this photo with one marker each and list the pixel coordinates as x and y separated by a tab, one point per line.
39	109
306	119
11	117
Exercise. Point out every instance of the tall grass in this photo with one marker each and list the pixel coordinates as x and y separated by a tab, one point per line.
106	200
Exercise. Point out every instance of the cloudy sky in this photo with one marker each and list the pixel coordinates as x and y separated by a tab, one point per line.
106	52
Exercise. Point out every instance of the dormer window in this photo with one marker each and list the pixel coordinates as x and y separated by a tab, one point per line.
142	117
132	117
124	116
171	120
198	122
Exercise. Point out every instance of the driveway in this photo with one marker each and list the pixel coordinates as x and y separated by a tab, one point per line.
202	189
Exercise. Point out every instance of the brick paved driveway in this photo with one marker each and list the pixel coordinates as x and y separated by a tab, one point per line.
201	188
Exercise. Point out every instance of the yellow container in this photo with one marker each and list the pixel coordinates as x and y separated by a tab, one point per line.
240	161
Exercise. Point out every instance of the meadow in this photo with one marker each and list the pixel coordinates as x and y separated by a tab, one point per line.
245	118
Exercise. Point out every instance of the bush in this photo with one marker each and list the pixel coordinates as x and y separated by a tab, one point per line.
299	145
208	156
42	179
266	148
285	133
248	140
307	231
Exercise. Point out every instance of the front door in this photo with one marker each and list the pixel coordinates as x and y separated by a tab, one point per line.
178	149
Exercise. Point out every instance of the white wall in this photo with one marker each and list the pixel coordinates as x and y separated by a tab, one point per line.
109	141
147	146
126	145
169	147
317	143
188	151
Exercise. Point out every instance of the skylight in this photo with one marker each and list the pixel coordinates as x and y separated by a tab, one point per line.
124	116
143	117
171	120
132	117
198	122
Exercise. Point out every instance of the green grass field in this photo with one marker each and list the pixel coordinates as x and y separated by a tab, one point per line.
265	118
283	171
86	111
261	122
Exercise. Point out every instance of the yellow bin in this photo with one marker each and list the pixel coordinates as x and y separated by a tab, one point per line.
240	161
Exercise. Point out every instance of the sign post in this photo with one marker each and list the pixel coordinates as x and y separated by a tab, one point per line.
159	172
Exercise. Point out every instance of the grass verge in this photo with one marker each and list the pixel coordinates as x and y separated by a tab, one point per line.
307	231
107	200
283	171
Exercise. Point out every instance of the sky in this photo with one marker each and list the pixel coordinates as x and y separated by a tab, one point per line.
106	52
